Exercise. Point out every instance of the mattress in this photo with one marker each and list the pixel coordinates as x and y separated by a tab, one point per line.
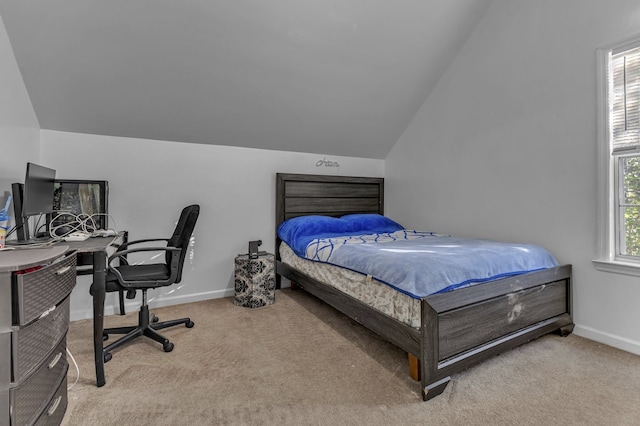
370	291
420	264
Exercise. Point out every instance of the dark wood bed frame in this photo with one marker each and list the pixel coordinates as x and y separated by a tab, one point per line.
459	328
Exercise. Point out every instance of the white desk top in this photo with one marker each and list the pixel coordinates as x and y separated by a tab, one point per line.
22	258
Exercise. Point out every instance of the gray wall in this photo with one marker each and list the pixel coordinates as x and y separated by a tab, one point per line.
19	129
505	147
151	181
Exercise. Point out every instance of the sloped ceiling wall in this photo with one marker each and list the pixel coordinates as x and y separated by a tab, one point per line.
318	76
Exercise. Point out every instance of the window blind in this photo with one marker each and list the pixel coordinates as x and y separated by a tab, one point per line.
625	100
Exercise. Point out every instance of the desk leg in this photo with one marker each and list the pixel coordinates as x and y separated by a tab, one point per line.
99	283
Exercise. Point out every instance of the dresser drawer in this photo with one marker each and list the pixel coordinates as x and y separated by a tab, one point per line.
29	399
54	412
32	343
38	291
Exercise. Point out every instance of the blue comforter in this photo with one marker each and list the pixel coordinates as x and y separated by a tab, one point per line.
422	263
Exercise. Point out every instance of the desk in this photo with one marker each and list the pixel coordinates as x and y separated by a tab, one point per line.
99	247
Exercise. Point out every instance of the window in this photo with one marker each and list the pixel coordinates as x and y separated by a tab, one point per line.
619	158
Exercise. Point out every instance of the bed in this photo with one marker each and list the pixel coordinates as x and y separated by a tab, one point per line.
444	333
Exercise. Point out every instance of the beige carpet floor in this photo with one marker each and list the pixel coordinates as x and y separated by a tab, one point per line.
299	362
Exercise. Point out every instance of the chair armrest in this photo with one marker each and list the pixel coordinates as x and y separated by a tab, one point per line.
130	243
121	253
173	267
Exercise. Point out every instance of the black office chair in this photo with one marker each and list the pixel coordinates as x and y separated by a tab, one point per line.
125	277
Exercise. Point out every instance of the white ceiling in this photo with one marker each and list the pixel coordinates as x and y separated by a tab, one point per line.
333	77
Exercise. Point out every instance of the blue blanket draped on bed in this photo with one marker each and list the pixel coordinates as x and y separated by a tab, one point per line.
415	263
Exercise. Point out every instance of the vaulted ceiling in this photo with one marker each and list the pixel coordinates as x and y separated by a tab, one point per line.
332	77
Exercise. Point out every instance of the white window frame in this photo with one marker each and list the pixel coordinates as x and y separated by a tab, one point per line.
607	259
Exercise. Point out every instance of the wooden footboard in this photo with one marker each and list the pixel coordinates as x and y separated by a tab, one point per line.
462	327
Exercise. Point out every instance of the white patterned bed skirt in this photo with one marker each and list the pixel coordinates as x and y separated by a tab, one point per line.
370	291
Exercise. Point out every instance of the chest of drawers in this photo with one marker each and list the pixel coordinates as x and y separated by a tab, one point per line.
34	318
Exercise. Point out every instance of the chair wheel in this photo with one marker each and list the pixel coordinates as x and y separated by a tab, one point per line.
189	324
167	346
107	356
105	336
155	319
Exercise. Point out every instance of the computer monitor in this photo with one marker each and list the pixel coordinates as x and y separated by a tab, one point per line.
34	197
38	190
84	198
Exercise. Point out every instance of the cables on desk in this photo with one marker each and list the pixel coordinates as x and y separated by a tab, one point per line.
16	227
74	223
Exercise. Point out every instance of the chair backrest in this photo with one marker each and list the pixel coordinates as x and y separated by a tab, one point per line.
182	235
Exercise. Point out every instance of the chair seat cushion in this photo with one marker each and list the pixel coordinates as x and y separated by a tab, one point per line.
151	272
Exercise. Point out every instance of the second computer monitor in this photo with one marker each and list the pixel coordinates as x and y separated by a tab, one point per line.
84	198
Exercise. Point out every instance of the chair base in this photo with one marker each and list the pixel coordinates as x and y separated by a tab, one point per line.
147	326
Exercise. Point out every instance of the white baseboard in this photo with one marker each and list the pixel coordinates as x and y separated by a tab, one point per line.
154	302
608	339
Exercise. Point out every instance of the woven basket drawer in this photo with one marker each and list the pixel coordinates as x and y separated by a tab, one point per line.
40	290
30	398
33	342
54	412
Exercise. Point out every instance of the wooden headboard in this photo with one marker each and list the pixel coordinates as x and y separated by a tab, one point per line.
302	195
